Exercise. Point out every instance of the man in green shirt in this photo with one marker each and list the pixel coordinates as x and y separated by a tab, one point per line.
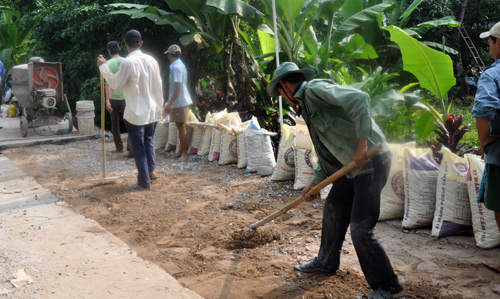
115	102
341	129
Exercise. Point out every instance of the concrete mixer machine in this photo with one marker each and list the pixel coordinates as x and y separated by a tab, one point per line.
38	88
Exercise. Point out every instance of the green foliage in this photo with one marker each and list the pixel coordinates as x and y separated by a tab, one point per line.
75	32
14	32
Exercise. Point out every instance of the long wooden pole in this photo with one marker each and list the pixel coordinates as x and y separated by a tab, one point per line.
103	115
338	174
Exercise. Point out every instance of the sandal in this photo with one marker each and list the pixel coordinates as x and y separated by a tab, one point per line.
153	176
139	188
312	266
378	294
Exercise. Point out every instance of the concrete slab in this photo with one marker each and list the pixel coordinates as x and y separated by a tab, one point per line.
49	251
10	135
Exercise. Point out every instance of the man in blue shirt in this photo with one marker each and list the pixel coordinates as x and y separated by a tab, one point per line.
486	110
179	99
2	72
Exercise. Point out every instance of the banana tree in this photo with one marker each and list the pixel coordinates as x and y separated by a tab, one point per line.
434	71
13	34
212	25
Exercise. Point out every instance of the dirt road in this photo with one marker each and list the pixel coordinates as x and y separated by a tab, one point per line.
186	225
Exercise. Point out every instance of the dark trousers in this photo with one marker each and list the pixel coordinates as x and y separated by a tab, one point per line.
356	202
141	143
118	107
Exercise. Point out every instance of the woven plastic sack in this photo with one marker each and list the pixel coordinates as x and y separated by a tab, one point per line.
195	142
4	112
323	193
285	166
302	138
304	170
242	151
214	153
421	173
173	133
392	197
240	138
206	140
453	213
228	146
160	136
260	154
484	225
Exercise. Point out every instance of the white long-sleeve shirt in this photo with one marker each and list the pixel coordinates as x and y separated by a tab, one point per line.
139	79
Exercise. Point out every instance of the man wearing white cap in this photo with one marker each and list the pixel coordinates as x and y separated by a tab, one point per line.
486	110
179	99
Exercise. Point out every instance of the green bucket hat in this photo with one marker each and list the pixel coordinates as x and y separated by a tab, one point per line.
283	70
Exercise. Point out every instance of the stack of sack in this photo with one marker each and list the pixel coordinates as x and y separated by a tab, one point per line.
442	197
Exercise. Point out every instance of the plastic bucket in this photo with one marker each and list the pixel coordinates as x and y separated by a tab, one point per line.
85	115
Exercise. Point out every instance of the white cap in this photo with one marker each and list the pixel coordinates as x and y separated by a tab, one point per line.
173	49
494	31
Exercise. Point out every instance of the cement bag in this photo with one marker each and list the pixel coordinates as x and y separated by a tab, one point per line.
214	153
259	148
484	225
242	151
4	112
392	197
452	214
173	134
302	137
189	132
285	166
205	141
240	137
323	193
195	142
254	125
160	136
420	174
304	170
229	119
207	136
228	146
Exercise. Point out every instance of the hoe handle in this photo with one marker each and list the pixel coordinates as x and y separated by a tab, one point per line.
338	174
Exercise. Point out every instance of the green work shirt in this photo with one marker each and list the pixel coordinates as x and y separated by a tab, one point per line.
114	65
336	117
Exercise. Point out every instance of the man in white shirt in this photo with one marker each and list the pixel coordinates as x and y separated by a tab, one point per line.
179	99
138	77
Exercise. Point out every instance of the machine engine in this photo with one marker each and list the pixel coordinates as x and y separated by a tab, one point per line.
46	97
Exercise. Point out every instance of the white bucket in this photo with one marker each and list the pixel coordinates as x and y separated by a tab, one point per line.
85	115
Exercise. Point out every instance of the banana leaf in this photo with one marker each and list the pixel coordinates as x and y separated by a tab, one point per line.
433	69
